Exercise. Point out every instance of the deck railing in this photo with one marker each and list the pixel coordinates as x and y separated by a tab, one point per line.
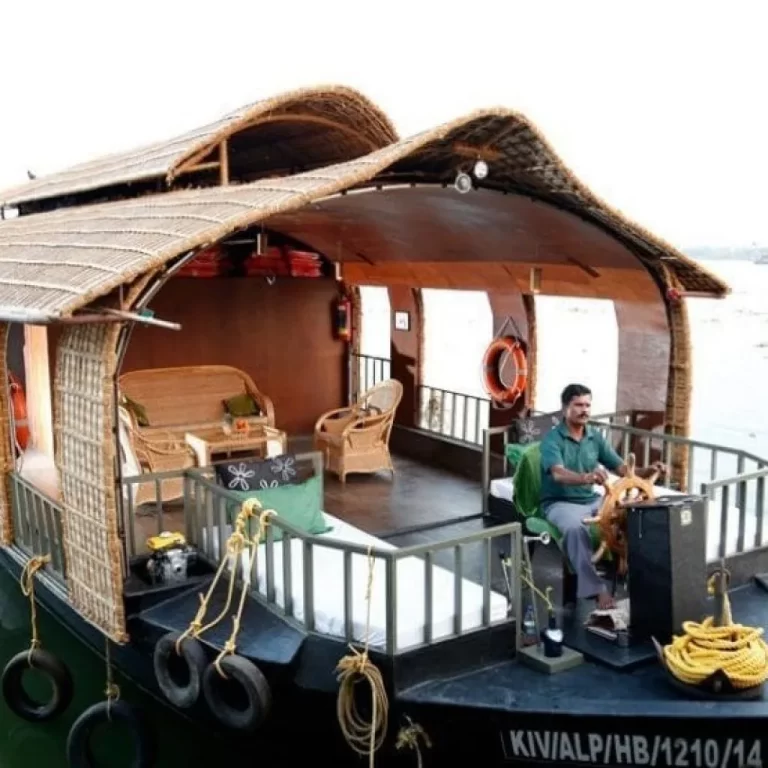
737	511
368	371
706	461
37	525
283	569
453	414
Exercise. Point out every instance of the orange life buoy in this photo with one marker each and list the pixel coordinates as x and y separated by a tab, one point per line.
492	370
19	401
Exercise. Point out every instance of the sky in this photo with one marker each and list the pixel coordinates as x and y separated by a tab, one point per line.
659	107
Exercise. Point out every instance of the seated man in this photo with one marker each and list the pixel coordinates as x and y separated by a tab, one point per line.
571	455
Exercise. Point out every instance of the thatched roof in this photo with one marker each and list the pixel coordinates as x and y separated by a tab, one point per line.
55	263
305	127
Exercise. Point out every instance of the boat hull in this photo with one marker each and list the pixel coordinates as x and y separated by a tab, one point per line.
489	718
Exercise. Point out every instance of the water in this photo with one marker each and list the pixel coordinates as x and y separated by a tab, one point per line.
730	339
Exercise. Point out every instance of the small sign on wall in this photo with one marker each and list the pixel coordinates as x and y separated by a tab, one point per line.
402	321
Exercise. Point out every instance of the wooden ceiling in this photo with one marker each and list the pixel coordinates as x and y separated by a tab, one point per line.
432	236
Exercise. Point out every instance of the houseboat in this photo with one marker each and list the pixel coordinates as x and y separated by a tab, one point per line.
215	474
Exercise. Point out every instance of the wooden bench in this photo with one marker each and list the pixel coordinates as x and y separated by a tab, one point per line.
185	398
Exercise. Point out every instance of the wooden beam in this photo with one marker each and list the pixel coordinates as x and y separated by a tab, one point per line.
224	163
211	166
195	159
476	152
108	315
145	319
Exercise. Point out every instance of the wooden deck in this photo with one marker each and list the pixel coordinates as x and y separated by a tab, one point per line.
417	495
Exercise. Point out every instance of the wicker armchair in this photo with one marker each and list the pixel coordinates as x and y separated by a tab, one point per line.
148	454
356	439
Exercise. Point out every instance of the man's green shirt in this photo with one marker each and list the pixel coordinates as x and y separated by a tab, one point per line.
559	448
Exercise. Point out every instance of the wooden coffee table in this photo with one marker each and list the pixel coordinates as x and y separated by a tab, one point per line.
212	441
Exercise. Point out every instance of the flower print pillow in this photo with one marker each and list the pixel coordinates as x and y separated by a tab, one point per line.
257	474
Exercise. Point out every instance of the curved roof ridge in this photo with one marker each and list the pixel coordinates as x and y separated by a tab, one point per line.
337	107
52	264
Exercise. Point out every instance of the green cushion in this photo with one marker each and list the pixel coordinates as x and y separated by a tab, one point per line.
241	405
137	409
513	452
527	481
299	504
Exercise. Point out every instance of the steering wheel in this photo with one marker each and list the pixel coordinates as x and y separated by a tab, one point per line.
611	518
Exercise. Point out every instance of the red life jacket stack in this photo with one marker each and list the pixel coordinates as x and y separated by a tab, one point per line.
210	262
283	262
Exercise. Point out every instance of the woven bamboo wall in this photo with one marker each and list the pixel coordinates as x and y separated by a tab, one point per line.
680	381
6	444
85	457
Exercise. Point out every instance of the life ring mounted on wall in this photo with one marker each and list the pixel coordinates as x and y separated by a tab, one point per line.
505	394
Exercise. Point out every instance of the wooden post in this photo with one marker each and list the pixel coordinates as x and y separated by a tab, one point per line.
407	351
224	163
7	453
38	388
514	306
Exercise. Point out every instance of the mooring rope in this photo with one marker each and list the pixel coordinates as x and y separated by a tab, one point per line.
738	651
364	737
235	545
27	584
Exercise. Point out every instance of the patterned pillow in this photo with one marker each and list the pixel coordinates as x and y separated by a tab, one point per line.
531	429
255	474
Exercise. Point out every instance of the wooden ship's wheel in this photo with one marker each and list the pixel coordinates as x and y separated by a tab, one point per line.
611	519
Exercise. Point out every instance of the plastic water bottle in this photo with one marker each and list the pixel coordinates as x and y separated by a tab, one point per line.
529	626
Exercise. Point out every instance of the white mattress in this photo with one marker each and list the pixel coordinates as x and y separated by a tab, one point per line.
328	568
503	488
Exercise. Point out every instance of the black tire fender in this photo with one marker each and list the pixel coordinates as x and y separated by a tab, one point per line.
17	699
79	753
192	654
254	686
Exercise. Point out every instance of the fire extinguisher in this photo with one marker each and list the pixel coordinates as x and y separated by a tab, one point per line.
343	313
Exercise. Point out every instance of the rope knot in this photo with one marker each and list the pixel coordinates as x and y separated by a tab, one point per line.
31	567
263	525
112	691
236	543
408	736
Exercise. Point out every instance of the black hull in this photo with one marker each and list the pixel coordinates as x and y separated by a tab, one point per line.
499	714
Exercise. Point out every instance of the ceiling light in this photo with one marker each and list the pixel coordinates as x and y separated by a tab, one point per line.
481	169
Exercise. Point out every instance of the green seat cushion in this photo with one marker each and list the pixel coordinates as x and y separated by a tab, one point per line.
137	409
241	405
299	504
513	452
527	481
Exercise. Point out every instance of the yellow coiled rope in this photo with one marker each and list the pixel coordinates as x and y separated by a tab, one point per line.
738	651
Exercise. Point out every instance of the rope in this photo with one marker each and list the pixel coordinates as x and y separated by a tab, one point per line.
738	651
236	543
362	736
409	737
27	584
231	644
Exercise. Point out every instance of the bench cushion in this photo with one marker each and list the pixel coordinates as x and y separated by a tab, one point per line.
299	504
